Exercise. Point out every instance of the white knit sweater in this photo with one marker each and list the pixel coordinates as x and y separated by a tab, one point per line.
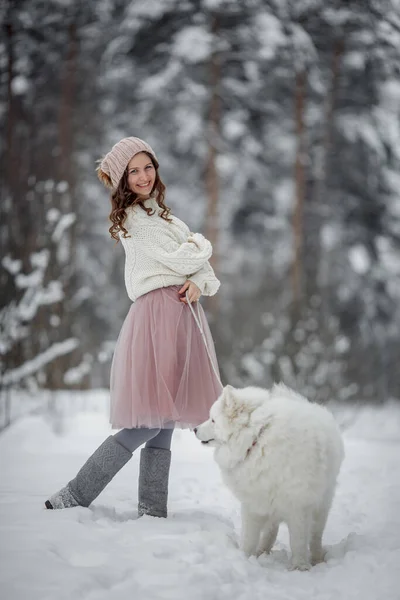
159	254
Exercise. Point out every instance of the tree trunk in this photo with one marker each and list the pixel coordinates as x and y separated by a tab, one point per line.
67	103
211	175
9	209
321	183
11	164
298	213
64	269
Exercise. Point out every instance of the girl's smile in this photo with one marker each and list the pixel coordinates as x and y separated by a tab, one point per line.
141	175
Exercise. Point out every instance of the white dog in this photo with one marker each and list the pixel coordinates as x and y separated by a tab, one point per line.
280	456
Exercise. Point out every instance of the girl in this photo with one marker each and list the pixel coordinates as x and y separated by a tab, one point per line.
163	373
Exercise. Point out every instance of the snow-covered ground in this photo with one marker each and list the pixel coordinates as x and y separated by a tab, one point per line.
105	552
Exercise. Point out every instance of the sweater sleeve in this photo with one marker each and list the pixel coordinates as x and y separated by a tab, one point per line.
161	245
206	280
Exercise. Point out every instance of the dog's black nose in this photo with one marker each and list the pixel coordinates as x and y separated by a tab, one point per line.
195	430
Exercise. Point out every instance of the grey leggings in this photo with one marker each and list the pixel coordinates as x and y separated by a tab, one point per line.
154	438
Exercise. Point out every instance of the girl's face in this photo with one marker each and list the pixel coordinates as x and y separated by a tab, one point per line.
141	175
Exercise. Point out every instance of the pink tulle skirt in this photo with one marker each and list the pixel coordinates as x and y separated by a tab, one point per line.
161	374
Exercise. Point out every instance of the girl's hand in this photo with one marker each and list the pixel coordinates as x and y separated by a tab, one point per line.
194	292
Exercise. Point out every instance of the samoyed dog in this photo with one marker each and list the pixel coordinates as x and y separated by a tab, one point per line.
280	455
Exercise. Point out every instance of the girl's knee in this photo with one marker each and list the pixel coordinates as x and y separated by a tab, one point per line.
156	432
161	440
132	438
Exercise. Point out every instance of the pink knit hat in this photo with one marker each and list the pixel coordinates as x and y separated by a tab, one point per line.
113	165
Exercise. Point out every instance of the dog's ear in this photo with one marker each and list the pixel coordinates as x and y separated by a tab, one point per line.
229	393
229	389
230	400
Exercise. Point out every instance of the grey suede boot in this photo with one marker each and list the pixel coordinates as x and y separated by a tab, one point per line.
153	482
93	477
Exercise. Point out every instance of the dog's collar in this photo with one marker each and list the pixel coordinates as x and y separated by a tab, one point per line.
263	428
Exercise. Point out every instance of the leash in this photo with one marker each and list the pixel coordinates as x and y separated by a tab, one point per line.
198	322
199	325
263	428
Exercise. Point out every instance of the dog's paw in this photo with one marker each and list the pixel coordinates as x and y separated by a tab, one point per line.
316	559
262	551
248	551
299	566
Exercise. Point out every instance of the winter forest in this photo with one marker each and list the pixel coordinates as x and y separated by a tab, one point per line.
277	127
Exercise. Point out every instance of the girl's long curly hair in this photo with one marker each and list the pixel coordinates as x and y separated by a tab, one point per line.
123	197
